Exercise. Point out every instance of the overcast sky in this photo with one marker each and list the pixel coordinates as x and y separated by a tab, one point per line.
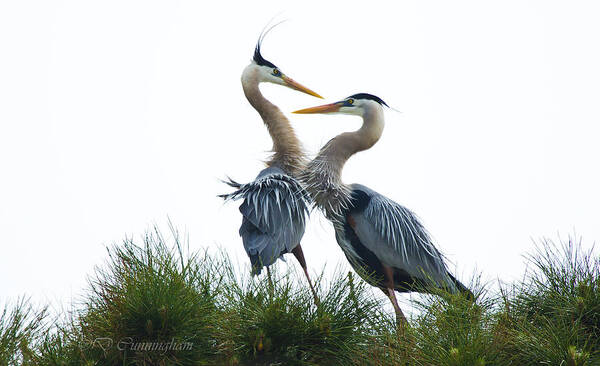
115	115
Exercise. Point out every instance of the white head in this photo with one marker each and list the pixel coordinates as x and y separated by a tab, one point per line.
266	72
357	104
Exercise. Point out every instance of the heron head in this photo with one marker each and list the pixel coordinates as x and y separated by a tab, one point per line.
269	73
356	104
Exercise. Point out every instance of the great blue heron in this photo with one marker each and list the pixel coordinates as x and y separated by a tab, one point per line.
383	241
275	204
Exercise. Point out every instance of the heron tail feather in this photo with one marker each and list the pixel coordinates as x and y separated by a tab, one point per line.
462	288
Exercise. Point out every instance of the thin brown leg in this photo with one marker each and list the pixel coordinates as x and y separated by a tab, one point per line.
271	288
297	251
400	318
388	274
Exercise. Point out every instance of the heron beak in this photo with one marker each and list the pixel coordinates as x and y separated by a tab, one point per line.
326	108
297	86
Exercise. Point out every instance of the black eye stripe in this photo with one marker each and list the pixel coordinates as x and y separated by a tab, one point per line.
369	97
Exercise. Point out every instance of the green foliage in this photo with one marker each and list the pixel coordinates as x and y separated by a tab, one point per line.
62	346
553	316
20	326
452	330
278	323
151	305
158	293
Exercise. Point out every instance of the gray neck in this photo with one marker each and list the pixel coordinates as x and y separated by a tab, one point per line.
287	149
323	174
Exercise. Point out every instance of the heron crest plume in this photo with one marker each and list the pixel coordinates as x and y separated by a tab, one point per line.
258	58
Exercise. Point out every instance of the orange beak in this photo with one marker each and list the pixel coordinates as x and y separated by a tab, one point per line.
297	86
326	108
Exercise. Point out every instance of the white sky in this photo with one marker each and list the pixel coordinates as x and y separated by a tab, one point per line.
117	114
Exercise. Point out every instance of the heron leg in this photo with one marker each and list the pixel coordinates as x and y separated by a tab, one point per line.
270	282
297	251
388	274
400	318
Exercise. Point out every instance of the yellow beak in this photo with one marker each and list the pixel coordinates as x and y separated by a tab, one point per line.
297	86
326	108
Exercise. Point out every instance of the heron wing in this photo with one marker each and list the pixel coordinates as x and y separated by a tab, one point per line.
274	213
396	236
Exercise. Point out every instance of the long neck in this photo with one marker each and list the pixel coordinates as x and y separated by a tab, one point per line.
287	149
323	176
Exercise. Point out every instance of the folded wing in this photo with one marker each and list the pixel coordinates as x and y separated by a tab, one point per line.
274	212
397	238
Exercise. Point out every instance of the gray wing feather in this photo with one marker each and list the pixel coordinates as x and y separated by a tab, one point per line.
274	215
397	237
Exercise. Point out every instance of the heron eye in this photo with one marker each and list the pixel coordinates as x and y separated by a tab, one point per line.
276	72
350	101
